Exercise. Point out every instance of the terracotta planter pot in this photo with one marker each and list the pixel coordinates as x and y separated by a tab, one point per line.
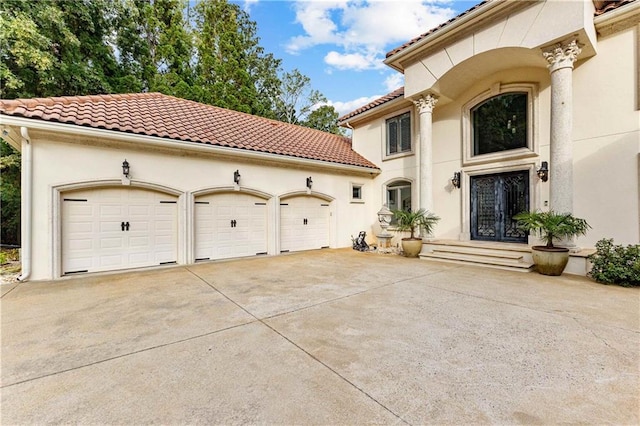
550	261
411	247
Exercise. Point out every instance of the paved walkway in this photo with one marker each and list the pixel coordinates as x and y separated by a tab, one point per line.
323	337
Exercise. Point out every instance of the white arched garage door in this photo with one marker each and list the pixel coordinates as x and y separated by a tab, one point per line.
229	225
106	229
304	223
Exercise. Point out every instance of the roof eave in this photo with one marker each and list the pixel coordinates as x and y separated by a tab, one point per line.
92	132
378	109
618	15
463	22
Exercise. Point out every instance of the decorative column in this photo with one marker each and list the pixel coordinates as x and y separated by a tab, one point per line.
561	58
425	107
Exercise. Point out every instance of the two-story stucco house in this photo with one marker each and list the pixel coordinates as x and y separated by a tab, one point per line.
511	106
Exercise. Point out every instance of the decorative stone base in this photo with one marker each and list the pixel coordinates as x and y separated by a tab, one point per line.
384	241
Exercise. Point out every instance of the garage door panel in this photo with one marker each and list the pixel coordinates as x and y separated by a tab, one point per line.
140	259
106	262
304	224
81	244
81	264
114	211
109	226
230	225
110	243
93	238
138	243
81	210
83	227
136	211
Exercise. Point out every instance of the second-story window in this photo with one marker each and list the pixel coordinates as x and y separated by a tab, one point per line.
399	134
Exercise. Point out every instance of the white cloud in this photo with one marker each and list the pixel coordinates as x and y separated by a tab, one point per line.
394	81
248	4
362	30
317	22
353	61
348	106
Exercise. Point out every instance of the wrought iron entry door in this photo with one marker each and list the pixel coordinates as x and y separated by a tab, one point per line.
495	199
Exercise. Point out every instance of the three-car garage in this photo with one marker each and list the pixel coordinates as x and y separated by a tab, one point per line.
122	227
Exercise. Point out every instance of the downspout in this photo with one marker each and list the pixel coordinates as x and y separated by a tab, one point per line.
25	193
350	128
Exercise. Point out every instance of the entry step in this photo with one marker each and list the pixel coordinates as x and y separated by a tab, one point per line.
514	257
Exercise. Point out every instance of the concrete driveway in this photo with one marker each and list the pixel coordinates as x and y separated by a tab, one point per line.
323	337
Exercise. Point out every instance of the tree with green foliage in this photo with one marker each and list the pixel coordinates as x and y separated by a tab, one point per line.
155	47
324	118
55	48
9	194
297	99
232	69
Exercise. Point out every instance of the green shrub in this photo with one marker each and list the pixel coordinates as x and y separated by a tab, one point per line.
616	264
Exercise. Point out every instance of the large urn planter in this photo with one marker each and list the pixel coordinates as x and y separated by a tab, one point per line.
407	221
549	259
411	247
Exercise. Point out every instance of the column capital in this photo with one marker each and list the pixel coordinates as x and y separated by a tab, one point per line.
426	103
562	55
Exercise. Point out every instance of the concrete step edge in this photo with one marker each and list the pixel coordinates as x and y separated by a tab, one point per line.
479	251
483	260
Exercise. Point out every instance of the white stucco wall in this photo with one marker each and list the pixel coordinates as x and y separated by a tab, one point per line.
59	161
369	140
607	140
527	26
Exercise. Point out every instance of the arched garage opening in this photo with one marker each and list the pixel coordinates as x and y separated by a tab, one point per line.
305	222
106	228
230	224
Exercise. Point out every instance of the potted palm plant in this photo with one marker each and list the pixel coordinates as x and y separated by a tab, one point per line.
549	259
407	221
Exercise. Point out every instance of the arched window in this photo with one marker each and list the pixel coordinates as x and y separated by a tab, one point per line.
399	195
500	123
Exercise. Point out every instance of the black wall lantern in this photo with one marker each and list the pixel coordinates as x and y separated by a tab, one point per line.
455	180
543	171
125	168
309	182
236	177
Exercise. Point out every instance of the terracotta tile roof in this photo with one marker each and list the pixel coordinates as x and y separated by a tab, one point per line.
155	114
606	6
433	30
383	100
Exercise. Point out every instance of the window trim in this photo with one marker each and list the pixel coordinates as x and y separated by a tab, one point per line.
386	118
532	148
390	183
351	197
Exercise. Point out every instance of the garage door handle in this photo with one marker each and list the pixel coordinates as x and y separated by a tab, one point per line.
126	225
122	226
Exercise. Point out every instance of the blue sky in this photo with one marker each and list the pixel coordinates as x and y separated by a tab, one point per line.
340	44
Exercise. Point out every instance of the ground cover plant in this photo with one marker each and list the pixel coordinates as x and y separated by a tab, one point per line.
616	264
